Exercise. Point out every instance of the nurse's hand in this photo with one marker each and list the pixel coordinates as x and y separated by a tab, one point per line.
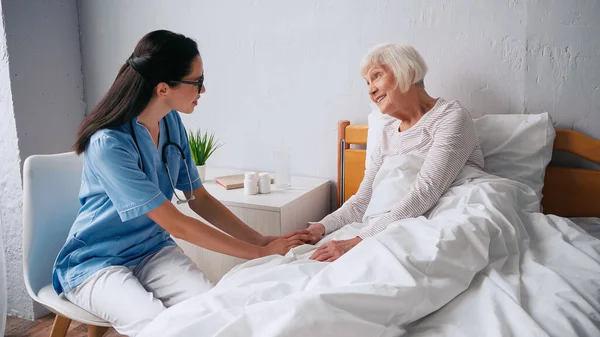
281	245
265	240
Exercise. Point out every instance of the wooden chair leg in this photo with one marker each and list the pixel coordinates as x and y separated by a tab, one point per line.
60	326
96	331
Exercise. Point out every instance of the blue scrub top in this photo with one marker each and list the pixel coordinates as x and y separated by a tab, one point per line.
112	227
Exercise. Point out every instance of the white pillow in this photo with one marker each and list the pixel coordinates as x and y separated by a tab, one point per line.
515	146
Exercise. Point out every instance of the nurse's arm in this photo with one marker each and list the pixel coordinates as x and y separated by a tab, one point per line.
192	230
211	209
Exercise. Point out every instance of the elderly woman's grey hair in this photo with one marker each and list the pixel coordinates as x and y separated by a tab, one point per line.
405	62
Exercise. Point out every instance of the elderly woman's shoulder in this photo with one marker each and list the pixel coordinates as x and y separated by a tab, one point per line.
449	105
452	110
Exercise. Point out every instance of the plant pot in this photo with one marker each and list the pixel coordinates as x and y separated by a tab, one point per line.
202	172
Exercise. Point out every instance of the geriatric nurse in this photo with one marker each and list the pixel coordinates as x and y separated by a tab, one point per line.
119	261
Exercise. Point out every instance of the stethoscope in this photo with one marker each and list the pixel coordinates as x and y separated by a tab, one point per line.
164	159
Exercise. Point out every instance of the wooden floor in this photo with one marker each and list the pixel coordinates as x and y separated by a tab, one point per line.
18	327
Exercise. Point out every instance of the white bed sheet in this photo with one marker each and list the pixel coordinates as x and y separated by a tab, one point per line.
482	262
589	224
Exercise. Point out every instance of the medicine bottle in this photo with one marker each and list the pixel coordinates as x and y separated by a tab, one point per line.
264	183
250	183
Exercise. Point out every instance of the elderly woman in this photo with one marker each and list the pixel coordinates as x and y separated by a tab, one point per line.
440	132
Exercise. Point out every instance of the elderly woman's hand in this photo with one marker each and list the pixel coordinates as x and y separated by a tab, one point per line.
317	231
334	249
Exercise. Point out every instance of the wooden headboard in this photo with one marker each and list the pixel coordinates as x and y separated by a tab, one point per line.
567	192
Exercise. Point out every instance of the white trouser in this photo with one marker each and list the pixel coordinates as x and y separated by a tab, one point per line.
129	298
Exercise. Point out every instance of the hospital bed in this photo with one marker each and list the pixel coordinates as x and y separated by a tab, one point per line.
487	260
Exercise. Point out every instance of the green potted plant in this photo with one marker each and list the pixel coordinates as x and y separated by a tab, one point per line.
202	146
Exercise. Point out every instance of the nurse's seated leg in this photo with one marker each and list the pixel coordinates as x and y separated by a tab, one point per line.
171	276
115	295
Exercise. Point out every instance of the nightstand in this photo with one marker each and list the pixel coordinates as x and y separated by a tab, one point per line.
276	213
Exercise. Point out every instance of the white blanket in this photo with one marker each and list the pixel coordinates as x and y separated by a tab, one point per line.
480	263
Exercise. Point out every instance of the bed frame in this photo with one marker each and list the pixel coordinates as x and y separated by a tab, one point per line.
567	192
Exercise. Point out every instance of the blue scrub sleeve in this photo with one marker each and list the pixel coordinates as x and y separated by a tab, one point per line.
117	171
183	182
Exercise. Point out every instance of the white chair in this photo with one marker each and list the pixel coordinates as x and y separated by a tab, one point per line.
50	205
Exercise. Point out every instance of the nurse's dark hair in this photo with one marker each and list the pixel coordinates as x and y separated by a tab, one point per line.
160	56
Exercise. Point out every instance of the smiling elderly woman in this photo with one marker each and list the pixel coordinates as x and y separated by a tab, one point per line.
440	132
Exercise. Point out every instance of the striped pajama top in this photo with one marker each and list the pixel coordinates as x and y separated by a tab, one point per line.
445	138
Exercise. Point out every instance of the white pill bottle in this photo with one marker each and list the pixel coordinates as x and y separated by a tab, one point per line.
264	183
250	183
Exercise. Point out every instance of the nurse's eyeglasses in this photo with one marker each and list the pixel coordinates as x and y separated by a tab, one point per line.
199	83
165	161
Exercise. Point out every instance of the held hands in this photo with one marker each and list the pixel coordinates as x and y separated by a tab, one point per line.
315	232
280	245
334	249
329	252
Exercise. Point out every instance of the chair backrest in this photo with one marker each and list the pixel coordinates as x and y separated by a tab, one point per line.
50	204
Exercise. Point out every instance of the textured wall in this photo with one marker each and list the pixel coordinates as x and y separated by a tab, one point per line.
286	71
46	76
3	287
11	192
563	62
46	82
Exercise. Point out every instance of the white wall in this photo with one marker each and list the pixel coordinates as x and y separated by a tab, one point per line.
11	192
563	60
287	71
46	76
46	84
3	287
